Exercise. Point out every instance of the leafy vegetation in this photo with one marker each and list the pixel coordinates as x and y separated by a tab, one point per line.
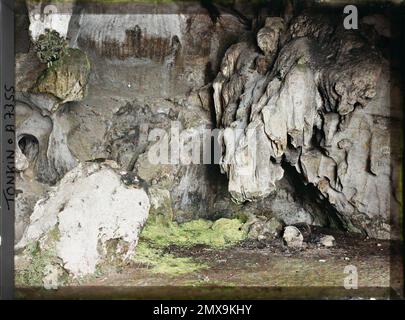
50	46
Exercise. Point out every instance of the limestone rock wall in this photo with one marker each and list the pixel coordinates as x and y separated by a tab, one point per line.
315	97
305	112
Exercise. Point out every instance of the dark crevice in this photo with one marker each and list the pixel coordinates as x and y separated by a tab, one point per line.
307	192
317	137
29	146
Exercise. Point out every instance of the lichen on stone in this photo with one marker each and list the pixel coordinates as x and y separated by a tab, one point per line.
66	78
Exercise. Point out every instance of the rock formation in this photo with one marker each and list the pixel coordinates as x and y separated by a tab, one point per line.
90	217
322	107
301	111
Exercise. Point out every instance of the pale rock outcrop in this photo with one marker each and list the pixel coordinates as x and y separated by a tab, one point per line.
88	218
268	37
323	108
262	228
293	237
42	150
302	95
327	241
42	126
146	71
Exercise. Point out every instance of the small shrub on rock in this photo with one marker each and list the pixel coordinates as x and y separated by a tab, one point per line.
50	46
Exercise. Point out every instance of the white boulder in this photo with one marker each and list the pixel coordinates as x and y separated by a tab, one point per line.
327	241
87	211
293	237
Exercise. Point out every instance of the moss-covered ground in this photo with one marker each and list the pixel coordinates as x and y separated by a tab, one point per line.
246	269
158	235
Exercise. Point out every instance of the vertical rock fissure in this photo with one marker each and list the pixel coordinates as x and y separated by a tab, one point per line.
308	192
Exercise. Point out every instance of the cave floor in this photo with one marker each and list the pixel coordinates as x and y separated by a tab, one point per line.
253	269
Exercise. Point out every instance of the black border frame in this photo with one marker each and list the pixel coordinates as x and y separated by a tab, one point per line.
7	147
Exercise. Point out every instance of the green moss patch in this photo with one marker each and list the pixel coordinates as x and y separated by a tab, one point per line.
158	235
221	233
36	258
159	262
32	275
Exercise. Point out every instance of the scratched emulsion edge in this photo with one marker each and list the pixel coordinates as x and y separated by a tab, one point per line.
7	147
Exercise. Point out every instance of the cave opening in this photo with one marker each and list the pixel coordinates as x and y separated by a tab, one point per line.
307	192
29	146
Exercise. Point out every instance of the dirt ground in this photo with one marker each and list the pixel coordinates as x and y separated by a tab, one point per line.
256	270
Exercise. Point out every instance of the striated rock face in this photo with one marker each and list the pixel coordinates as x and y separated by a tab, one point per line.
89	218
164	55
322	108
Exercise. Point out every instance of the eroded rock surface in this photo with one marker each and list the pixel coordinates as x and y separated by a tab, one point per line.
327	241
302	105
65	79
322	108
293	237
146	71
